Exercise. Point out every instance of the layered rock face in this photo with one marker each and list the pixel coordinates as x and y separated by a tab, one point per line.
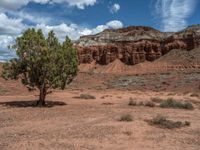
134	45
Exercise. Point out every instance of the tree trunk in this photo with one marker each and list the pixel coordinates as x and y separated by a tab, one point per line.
41	101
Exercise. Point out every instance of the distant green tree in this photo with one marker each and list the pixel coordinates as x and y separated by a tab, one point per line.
42	63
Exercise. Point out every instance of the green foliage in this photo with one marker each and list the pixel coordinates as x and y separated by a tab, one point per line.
42	63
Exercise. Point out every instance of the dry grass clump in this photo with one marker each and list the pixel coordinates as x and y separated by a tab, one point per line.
163	122
107	103
149	104
194	95
171	103
126	118
156	99
134	103
168	103
87	96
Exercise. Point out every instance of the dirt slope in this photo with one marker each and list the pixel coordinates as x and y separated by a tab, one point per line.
181	57
175	60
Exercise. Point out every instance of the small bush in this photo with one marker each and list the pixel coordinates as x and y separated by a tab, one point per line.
132	103
87	96
107	103
140	104
126	118
188	105
156	100
187	123
194	95
149	104
171	103
163	122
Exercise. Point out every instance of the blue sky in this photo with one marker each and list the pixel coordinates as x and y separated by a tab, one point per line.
83	17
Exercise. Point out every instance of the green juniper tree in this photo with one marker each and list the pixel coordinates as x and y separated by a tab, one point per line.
42	63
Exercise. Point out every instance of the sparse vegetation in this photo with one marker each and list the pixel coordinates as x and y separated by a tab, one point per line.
134	103
107	103
126	118
194	95
156	100
87	96
149	104
163	122
171	103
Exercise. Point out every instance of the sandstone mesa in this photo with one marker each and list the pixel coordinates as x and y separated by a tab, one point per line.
134	45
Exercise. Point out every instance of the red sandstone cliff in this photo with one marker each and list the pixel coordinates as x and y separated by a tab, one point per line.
134	45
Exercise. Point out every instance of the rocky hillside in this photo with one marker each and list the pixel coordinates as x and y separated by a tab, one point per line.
133	45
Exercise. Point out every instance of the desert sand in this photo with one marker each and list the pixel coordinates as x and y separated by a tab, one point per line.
72	123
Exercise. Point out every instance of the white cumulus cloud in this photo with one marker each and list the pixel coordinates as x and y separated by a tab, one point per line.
16	4
174	13
10	26
115	8
74	31
5	53
115	24
5	40
78	3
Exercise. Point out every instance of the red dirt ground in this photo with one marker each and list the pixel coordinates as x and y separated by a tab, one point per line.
71	123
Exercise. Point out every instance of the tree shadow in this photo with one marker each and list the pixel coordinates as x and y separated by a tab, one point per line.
32	103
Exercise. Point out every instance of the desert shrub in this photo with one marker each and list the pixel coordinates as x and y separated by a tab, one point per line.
126	118
149	104
132	103
140	104
171	103
187	123
107	103
87	96
156	100
163	122
194	95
